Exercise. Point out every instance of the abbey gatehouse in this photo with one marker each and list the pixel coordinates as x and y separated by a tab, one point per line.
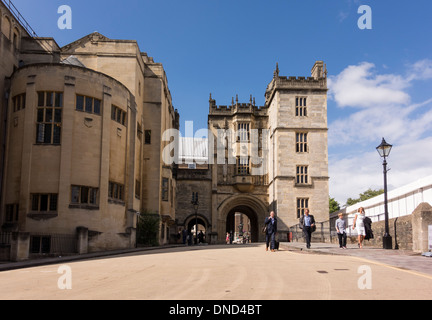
82	149
260	159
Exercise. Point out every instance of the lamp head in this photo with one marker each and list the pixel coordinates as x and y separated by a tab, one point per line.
384	149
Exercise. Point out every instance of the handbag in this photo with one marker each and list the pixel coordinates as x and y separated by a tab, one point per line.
264	230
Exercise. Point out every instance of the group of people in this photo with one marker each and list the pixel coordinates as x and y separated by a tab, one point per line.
362	224
308	225
229	239
188	237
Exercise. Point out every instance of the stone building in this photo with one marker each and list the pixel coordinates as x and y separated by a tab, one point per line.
81	145
273	157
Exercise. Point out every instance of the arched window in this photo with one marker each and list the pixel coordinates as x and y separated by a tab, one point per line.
16	38
6	27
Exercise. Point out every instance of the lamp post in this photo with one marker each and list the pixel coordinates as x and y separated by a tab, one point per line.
384	151
195	204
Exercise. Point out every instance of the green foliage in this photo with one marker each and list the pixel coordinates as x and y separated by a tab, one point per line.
148	229
333	205
368	194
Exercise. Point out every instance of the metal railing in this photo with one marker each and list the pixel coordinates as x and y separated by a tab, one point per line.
326	230
5	238
323	232
53	243
18	16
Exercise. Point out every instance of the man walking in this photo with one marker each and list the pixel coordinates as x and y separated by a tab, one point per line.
307	223
271	223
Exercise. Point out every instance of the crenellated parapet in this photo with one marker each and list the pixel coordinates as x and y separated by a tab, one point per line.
317	81
236	108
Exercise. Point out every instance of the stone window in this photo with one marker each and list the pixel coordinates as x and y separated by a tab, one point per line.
147	136
137	189
19	102
44	202
6	27
139	131
40	244
116	191
302	205
16	37
243	133
88	104
12	212
302	175
118	115
84	195
165	189
49	117
243	165
301	107
301	142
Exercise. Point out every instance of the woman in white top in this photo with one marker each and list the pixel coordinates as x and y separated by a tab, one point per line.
359	225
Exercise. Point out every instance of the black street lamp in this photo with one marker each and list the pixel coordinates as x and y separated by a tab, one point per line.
195	203
384	151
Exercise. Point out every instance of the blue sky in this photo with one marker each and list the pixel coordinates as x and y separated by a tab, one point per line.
380	79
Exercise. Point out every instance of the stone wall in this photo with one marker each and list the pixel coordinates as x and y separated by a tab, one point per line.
189	181
407	232
400	230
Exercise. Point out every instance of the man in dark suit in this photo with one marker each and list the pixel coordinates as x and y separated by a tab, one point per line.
271	223
307	223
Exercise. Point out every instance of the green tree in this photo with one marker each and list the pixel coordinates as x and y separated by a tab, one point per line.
148	229
333	205
368	194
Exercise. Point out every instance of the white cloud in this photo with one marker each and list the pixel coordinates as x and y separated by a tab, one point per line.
358	86
403	124
353	175
379	106
421	70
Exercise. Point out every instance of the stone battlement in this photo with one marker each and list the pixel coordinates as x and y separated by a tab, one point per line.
236	107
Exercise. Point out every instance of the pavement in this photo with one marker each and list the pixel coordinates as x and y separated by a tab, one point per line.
402	259
7	266
223	273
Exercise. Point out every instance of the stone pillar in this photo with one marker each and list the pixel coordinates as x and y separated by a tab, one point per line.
130	163
29	140
213	238
67	133
421	219
82	240
132	237
20	246
105	150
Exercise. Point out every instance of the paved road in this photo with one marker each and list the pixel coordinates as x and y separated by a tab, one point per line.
219	273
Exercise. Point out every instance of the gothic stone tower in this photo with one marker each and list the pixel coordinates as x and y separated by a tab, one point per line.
298	145
272	157
239	152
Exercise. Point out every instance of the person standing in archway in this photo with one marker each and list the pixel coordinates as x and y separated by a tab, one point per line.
271	224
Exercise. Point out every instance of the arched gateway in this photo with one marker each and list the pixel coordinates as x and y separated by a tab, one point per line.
249	205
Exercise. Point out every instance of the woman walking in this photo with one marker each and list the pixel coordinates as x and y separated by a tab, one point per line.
360	226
